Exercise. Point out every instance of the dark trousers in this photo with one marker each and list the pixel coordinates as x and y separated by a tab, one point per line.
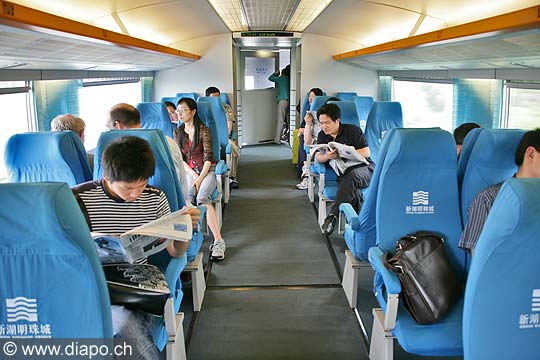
350	187
301	155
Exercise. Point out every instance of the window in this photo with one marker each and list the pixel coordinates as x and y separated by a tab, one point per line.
96	99
424	104
257	72
523	108
16	115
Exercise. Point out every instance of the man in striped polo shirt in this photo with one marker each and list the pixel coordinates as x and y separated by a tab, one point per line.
119	202
527	158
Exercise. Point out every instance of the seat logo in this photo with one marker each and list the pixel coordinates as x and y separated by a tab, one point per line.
420	204
532	320
21	308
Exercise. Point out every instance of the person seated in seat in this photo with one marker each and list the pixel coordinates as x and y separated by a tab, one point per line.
527	158
460	132
76	124
195	142
356	177
126	117
119	202
171	108
231	121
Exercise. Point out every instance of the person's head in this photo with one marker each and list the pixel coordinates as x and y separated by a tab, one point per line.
69	122
314	92
187	109
329	117
286	71
212	91
127	163
527	156
461	131
171	108
123	116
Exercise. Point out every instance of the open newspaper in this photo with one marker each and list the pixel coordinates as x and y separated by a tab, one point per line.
144	240
347	156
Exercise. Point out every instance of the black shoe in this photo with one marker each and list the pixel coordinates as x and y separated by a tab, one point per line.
329	224
233	183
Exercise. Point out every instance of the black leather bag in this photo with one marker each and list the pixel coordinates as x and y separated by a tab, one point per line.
141	287
429	284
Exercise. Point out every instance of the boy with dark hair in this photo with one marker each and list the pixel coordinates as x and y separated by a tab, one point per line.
356	177
119	202
460	132
527	158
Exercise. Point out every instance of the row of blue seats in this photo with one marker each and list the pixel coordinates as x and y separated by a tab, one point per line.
174	99
424	160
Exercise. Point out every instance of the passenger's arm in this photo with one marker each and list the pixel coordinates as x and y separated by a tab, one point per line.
327	156
206	167
364	152
308	138
178	248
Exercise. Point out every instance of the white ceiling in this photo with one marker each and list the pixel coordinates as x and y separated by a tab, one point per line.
365	23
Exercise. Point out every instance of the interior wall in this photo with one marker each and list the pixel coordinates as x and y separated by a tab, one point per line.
215	68
320	70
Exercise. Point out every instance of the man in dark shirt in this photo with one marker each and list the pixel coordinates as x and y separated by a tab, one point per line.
356	177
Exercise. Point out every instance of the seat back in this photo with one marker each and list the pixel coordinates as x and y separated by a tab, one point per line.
165	175
224	98
363	105
173	99
154	115
346	96
317	102
47	156
418	190
190	95
220	118
348	112
491	161
383	116
365	235
466	148
206	113
502	297
52	282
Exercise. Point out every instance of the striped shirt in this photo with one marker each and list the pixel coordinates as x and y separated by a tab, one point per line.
477	214
111	215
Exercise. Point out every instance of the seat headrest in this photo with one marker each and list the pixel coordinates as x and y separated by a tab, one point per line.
382	116
154	115
47	156
348	112
51	273
190	95
346	96
318	101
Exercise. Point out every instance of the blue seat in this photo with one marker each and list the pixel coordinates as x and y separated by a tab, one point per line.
173	99
49	265
383	116
165	179
154	115
417	191
349	115
502	297
190	95
224	98
487	162
222	133
47	156
346	96
466	148
363	105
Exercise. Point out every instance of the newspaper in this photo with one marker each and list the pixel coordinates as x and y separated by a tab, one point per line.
144	240
347	156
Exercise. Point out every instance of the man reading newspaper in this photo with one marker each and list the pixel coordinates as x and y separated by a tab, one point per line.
354	172
119	202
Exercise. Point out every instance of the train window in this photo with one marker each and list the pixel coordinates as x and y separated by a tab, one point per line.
95	100
424	104
16	114
257	71
523	108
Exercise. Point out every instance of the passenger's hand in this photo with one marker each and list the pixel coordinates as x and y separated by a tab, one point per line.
197	183
195	215
300	131
331	154
308	119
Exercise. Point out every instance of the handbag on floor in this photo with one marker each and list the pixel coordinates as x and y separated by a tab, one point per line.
141	287
429	284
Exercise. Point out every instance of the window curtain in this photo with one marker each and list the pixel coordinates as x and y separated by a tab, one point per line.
385	88
147	89
55	97
479	101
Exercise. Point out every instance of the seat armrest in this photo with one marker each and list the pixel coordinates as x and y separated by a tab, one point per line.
228	148
350	214
221	168
391	280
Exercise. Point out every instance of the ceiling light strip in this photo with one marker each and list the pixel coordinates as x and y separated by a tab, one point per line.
513	21
291	14
30	19
306	12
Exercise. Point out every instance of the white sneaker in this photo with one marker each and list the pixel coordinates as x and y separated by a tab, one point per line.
305	172
218	250
303	185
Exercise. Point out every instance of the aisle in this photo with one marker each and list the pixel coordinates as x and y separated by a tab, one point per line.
277	293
